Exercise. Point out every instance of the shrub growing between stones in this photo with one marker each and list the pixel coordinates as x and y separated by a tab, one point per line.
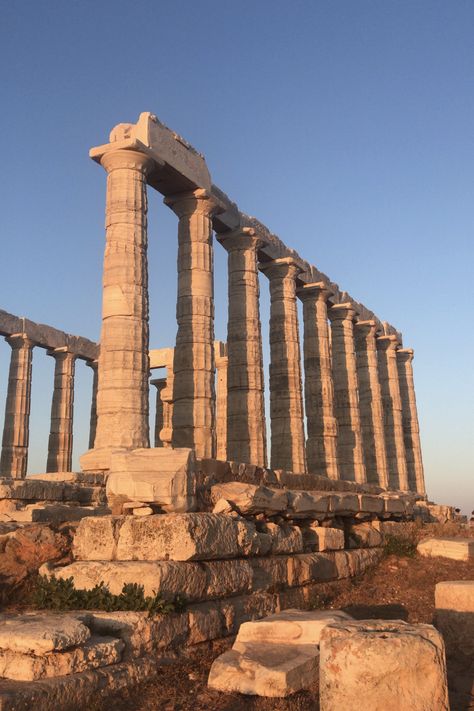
57	594
402	546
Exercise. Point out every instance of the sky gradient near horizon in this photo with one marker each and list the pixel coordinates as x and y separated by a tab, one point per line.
346	127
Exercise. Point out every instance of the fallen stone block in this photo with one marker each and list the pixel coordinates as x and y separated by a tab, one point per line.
454	548
322	538
265	670
251	499
162	476
454	616
289	627
364	535
39	633
192	536
95	652
383	664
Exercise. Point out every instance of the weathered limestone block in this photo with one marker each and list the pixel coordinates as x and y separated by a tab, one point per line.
265	670
364	535
321	538
454	616
284	538
250	499
205	623
344	504
40	633
387	665
289	627
270	573
161	476
394	504
308	504
455	548
370	504
96	652
194	536
27	489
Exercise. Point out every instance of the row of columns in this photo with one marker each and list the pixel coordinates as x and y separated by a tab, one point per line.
15	440
360	420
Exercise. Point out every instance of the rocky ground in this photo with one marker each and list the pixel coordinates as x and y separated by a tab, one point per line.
399	588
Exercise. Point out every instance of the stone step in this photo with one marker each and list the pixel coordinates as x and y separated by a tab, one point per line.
51	513
454	548
39	633
95	652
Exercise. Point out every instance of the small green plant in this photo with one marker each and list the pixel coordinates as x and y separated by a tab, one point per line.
58	594
401	546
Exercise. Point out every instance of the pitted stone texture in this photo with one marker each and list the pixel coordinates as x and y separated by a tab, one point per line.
285	538
322	538
197	581
96	652
194	536
364	535
308	504
250	499
454	616
455	548
289	627
40	633
386	665
273	670
162	476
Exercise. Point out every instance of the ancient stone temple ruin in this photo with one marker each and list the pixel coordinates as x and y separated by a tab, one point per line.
242	512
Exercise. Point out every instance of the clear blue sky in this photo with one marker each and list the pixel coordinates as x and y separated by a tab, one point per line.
347	127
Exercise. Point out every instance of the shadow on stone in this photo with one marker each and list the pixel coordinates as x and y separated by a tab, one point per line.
377	612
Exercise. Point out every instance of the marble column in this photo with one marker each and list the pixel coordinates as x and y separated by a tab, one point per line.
370	404
392	406
62	412
194	367
222	367
14	457
286	399
93	365
160	385
122	396
321	445
411	429
246	437
346	394
166	434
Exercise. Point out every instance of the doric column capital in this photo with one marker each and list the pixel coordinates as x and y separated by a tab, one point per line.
194	201
405	355
281	268
61	353
243	238
387	343
135	160
342	312
365	329
19	340
315	291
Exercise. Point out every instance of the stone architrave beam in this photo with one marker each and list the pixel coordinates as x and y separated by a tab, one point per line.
14	457
246	439
321	445
346	389
286	399
122	397
411	429
62	412
392	406
370	404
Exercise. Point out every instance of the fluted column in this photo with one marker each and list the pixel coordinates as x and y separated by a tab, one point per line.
222	367
122	396
411	429
286	399
194	368
370	404
246	440
321	445
93	364
346	394
14	457
160	385
62	412
392	406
